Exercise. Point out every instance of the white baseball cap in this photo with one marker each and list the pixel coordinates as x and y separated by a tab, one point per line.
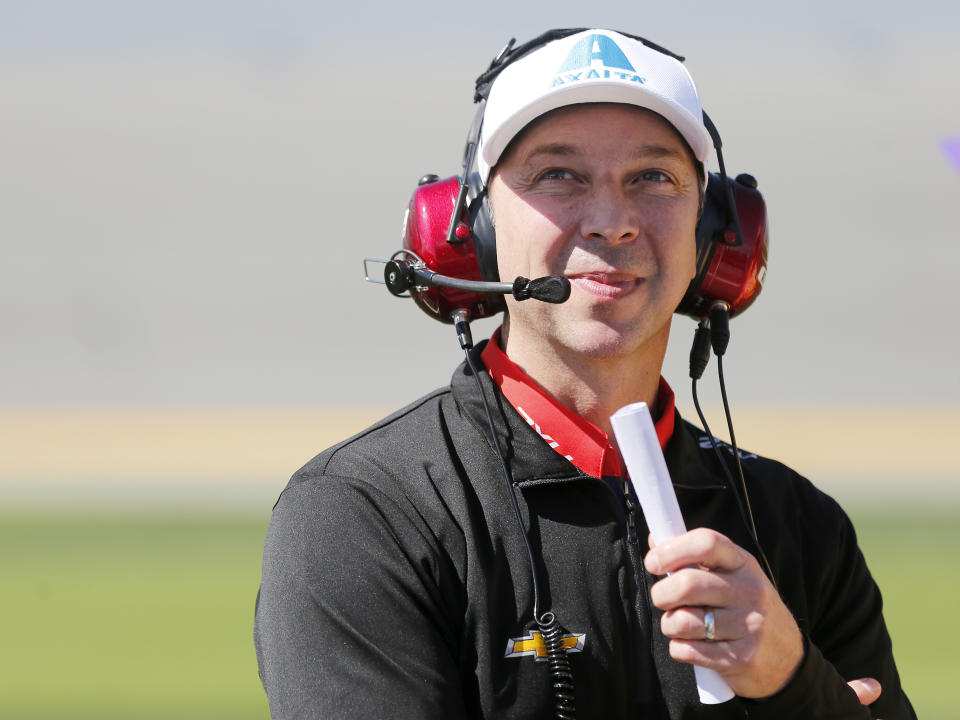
590	67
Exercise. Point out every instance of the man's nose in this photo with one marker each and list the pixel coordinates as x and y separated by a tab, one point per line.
609	216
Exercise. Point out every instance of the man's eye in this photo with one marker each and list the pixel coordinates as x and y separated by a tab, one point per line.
657	176
555	174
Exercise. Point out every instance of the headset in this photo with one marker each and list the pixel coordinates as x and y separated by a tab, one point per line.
448	265
728	269
449	260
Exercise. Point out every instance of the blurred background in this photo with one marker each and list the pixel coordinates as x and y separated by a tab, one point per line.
187	190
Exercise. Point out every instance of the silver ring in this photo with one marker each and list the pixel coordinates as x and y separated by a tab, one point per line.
709	626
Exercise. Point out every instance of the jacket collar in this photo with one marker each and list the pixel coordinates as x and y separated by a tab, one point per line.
692	466
527	455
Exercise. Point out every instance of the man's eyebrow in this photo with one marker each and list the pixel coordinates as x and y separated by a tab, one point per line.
551	149
657	151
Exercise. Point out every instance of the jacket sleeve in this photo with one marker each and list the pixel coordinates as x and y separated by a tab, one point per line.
351	620
845	634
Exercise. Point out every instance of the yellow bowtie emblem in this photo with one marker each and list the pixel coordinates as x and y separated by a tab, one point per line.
534	645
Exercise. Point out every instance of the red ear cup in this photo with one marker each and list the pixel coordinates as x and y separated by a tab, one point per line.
727	269
425	235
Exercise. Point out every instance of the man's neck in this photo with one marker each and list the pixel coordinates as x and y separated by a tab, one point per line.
593	387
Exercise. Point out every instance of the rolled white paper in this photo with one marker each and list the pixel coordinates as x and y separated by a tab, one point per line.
640	448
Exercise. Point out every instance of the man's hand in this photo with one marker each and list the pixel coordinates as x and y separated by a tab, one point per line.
757	645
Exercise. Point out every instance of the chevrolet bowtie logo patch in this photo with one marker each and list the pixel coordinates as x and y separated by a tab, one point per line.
533	644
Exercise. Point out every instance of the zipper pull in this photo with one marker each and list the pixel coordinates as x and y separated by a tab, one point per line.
631	513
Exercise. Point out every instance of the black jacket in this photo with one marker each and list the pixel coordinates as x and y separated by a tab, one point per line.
395	575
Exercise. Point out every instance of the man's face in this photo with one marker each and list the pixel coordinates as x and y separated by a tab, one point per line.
606	195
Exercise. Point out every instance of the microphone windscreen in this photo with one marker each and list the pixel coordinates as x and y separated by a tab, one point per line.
551	289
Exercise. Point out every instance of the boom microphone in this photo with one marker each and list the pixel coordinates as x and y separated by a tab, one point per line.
402	275
550	288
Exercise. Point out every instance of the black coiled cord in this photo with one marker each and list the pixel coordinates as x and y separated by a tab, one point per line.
559	663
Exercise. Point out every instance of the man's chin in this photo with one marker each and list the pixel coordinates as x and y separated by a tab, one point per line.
602	341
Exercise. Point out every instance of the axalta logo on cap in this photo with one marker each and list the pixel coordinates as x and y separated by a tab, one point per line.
593	57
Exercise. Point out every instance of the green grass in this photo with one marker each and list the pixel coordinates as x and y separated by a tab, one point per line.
129	618
913	557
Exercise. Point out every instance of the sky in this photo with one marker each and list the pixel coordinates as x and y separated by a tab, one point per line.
187	191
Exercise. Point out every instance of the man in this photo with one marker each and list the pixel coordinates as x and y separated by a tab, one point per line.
397	581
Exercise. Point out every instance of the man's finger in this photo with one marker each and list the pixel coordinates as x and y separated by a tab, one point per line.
867	690
689	623
692	587
702	546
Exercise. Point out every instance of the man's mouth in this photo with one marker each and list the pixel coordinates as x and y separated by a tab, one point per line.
607	286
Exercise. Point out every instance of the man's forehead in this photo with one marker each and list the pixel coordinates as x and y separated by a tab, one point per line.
644	149
573	130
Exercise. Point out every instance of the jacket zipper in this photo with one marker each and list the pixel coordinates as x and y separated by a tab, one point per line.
643	689
632	508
